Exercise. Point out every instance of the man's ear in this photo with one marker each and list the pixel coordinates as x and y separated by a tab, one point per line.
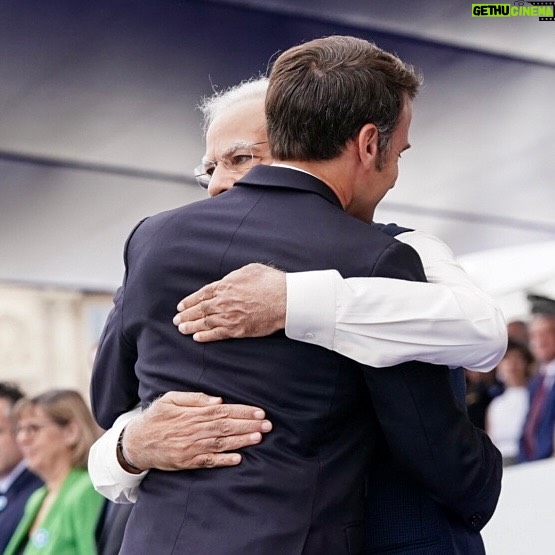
368	144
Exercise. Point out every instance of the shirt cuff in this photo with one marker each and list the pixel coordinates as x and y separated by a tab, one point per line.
107	475
311	307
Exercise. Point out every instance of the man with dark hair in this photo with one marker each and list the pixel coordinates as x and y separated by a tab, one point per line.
304	81
301	489
17	483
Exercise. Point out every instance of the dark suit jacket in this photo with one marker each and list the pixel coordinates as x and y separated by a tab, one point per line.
427	527
300	490
111	526
545	426
14	504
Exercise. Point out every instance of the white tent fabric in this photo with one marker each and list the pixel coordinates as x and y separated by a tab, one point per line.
510	273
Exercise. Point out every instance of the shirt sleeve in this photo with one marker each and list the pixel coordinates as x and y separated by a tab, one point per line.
107	475
383	322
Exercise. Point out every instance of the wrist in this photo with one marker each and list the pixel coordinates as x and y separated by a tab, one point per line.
123	456
278	298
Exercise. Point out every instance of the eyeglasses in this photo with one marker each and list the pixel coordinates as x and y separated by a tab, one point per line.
31	429
238	159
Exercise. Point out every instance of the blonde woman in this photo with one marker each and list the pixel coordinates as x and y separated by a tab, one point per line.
55	431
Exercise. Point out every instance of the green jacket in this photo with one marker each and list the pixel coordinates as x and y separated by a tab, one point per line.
68	528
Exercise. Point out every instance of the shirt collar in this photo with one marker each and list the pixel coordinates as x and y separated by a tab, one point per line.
288	177
290	167
548	369
9	479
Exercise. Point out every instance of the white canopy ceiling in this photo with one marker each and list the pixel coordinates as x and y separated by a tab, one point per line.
98	126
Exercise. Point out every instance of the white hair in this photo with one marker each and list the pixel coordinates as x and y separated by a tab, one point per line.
212	106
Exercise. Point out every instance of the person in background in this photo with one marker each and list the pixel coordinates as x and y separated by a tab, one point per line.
17	482
537	436
55	431
506	413
481	389
518	331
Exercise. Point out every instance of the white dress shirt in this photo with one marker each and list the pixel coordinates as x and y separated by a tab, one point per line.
7	480
383	322
547	369
376	321
506	415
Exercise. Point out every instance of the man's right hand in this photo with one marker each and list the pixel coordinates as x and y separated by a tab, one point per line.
183	430
248	302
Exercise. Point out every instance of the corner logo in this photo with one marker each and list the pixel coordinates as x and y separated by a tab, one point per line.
542	10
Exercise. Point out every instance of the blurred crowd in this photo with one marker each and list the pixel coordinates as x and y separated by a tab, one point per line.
49	506
515	402
47	502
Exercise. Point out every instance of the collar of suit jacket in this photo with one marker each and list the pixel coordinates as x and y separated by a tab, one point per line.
288	178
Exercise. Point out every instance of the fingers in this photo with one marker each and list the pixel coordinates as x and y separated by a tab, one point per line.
221	317
221	304
249	302
191	423
189	324
192	300
201	317
215	334
169	436
189	399
214	460
195	306
233	427
214	407
213	433
203	334
231	411
211	328
216	450
231	443
215	428
184	413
